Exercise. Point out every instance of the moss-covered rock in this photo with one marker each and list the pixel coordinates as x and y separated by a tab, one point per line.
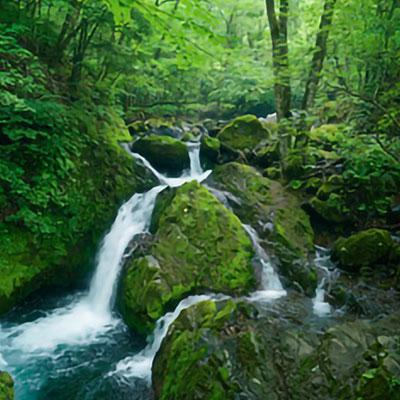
363	249
199	246
6	386
164	153
276	215
244	133
203	367
209	148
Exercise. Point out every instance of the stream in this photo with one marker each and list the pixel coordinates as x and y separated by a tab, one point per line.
75	346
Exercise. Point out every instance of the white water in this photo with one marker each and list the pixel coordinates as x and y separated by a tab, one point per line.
271	286
325	267
89	316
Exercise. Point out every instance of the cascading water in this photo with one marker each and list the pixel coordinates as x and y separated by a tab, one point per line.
329	273
139	366
45	348
271	287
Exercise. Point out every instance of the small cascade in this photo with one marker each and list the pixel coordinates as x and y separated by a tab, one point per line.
328	272
195	172
139	366
271	286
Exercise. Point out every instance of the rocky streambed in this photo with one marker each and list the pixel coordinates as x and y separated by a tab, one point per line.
333	333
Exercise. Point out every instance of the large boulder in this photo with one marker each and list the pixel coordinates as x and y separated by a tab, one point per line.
224	351
164	153
277	217
199	246
363	249
6	386
244	132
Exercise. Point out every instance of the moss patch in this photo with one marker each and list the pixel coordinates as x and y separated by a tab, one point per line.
6	386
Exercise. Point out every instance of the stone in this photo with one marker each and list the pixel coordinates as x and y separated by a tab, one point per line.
363	249
199	246
244	133
166	154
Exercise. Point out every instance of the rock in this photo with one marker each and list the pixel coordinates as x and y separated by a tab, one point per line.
209	149
6	386
199	246
331	210
276	215
226	351
244	133
164	153
363	249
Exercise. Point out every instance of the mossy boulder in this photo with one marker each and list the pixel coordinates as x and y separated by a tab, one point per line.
276	215
363	249
164	153
198	359
199	246
273	173
244	132
209	148
6	386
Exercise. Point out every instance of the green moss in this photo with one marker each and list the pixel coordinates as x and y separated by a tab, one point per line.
199	246
363	249
6	387
163	152
244	133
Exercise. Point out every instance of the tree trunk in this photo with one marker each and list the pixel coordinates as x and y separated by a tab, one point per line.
279	36
319	55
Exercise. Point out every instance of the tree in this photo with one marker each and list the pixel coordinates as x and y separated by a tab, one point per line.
280	52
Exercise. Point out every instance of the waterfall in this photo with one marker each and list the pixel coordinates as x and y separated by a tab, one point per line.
271	286
89	316
327	269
